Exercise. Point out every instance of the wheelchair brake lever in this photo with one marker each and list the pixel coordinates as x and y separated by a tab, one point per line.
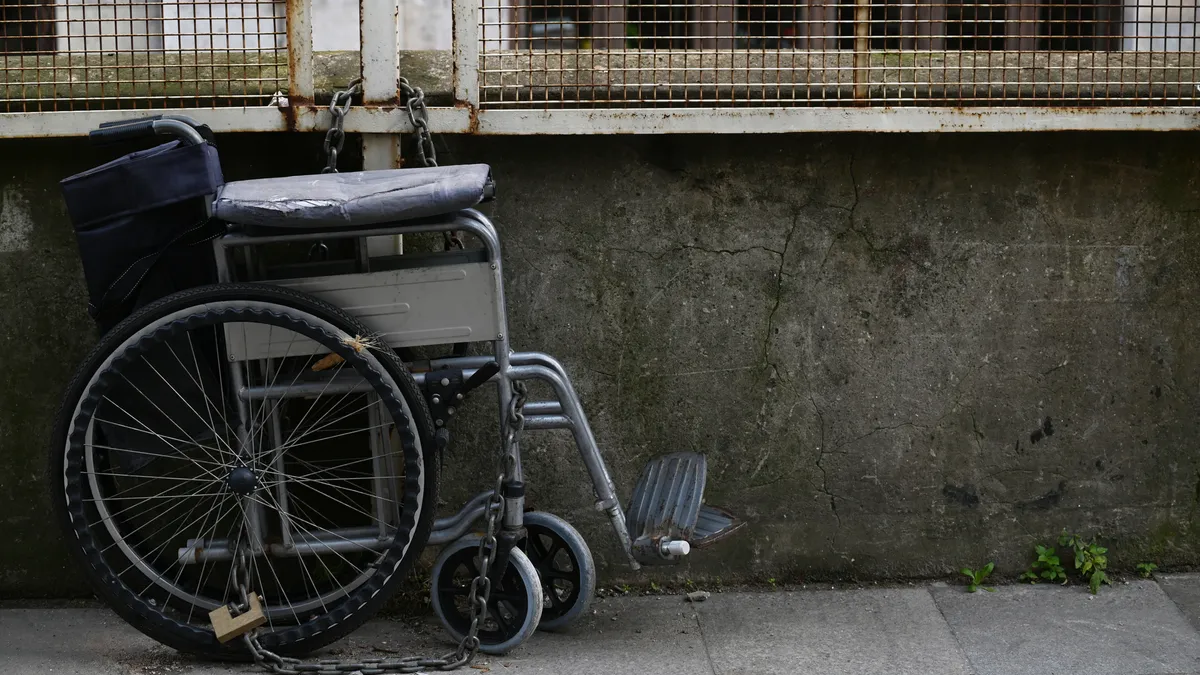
485	373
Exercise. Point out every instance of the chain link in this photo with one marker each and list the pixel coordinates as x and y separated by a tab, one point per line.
414	99
477	598
335	138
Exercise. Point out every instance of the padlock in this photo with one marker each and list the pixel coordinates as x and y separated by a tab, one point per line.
228	627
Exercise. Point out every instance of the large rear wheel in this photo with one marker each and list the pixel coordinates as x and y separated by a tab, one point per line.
248	422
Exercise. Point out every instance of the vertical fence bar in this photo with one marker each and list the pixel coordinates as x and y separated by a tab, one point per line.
300	52
466	51
862	49
379	33
379	37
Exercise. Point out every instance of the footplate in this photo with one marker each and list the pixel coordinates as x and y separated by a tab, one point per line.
667	516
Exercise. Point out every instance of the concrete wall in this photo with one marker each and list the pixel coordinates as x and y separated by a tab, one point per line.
902	354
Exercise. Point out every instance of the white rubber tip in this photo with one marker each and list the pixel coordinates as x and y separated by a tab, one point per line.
678	548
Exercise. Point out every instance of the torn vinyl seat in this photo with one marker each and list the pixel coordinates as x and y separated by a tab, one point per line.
354	198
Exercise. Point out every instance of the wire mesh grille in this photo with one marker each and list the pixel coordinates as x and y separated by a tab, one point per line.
837	53
104	54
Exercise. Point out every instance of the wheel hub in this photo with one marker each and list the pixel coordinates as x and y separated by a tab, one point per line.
242	481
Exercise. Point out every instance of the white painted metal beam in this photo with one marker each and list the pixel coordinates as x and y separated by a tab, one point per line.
394	120
792	120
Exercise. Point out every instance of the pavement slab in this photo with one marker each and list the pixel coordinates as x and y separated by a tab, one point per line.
851	632
1184	590
1129	628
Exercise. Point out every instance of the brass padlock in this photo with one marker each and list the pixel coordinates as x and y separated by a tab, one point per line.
228	627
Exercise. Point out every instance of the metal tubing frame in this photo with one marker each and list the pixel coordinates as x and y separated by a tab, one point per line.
565	413
445	530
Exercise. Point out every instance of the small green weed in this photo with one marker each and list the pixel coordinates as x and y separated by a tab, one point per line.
1047	567
977	577
1091	559
1146	569
1090	562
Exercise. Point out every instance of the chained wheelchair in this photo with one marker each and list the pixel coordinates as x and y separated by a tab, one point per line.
246	464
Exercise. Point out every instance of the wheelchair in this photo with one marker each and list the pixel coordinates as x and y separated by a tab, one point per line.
249	466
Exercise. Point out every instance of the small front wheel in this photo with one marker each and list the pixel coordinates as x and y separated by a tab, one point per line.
514	605
565	566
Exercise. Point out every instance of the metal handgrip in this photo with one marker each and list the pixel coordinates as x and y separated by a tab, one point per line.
181	118
145	128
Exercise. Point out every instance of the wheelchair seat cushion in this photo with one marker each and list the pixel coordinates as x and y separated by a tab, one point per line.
357	198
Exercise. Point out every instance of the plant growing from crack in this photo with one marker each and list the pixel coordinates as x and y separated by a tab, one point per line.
1047	566
1090	559
975	578
1146	569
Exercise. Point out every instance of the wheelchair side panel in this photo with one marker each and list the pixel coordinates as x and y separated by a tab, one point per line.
445	304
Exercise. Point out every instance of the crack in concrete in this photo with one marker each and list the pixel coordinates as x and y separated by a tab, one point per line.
877	430
853	208
712	665
852	227
659	255
821	452
787	242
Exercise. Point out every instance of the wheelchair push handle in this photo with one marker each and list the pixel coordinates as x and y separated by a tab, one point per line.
183	128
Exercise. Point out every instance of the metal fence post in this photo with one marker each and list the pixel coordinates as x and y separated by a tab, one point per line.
466	52
300	51
379	32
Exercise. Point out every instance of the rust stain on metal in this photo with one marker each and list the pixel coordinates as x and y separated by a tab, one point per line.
472	117
862	46
291	112
293	54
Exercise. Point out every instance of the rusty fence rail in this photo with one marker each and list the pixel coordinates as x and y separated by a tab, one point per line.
609	66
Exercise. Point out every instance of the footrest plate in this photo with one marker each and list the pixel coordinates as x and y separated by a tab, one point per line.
667	499
713	525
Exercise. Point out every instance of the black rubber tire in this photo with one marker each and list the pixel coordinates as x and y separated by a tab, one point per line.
67	488
560	612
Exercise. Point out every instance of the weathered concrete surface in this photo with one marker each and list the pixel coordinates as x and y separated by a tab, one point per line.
880	630
1184	591
902	354
1022	630
1126	630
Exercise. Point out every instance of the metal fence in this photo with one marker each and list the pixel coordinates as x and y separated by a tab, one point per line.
837	53
95	55
604	66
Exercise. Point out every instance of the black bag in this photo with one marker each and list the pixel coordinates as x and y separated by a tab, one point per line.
142	225
141	222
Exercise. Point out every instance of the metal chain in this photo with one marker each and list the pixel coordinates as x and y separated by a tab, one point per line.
335	138
477	598
419	116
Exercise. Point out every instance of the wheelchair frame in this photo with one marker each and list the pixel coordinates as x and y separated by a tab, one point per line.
566	412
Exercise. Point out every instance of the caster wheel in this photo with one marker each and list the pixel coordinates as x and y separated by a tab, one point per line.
565	566
514	605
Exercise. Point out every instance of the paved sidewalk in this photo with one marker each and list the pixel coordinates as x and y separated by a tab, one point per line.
1135	628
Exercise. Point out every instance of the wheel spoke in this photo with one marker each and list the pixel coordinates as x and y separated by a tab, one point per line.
176	482
498	616
559	574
